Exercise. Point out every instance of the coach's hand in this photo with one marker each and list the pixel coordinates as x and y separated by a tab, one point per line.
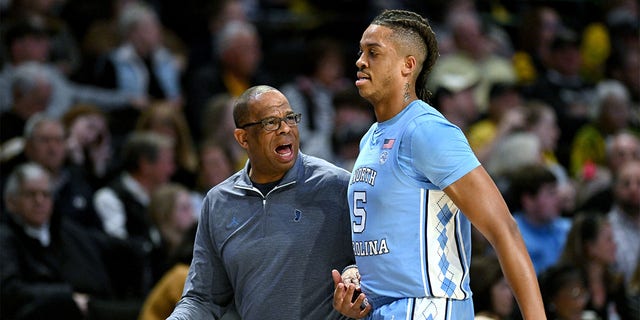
343	300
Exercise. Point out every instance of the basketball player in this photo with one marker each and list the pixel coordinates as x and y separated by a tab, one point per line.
415	189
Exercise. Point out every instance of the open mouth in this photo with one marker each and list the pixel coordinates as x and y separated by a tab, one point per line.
285	149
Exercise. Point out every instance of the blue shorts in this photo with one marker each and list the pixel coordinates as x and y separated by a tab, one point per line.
425	308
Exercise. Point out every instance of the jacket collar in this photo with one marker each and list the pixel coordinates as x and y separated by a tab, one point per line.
290	177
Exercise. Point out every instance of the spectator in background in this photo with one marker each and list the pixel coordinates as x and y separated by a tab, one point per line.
611	115
564	293
22	42
218	125
141	65
622	18
563	88
239	56
610	38
512	152
64	52
624	147
472	45
215	166
172	214
27	41
147	163
624	217
49	266
44	144
31	91
452	84
590	248
312	91
539	218
504	116
166	120
628	74
492	296
104	35
353	117
28	233
204	50
88	142
624	62
540	119
596	193
535	33
164	296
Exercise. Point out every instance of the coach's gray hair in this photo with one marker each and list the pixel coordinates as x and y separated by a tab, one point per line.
241	105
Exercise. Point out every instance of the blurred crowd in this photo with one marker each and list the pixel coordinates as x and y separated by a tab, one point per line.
116	119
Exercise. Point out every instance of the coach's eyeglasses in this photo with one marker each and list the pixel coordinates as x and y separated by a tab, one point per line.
273	123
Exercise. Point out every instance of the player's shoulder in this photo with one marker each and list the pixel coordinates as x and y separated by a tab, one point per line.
420	112
430	125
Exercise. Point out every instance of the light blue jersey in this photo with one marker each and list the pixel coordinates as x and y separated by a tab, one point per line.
409	238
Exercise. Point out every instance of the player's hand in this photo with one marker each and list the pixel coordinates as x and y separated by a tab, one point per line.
351	275
343	298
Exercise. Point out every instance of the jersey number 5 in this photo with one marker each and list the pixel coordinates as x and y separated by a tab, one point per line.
359	199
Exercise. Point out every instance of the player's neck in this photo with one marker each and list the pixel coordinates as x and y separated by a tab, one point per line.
387	109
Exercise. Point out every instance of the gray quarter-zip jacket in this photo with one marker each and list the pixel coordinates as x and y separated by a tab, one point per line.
271	255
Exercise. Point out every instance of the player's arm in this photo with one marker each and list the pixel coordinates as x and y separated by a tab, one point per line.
477	196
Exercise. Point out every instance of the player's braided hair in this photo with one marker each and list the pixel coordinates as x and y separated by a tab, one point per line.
402	21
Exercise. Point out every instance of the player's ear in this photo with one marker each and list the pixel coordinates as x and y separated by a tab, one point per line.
241	137
410	65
